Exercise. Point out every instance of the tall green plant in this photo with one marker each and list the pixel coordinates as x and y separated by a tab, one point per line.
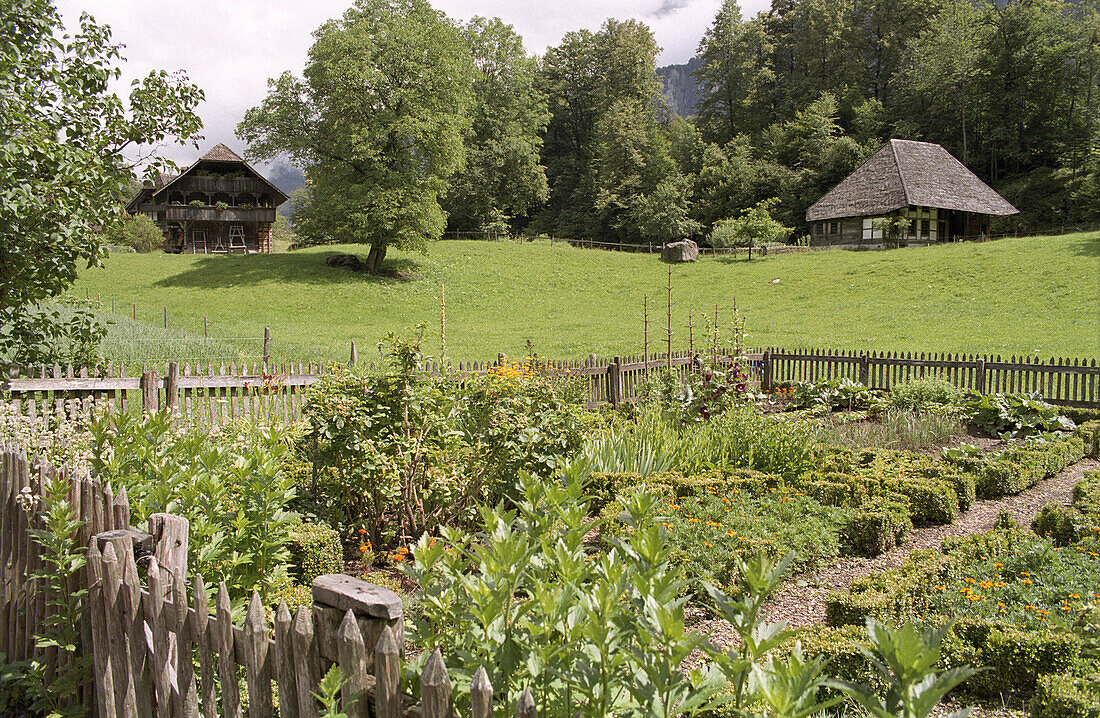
62	557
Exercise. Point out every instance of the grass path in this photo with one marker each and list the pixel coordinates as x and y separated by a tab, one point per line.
1035	296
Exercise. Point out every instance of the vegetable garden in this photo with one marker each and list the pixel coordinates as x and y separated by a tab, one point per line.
575	554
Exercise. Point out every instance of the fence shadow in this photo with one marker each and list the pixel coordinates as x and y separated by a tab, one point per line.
214	272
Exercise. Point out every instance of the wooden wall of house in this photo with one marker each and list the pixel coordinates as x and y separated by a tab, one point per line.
837	232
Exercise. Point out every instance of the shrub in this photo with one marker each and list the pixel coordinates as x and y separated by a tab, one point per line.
315	550
875	527
1080	415
1058	695
1015	657
226	481
137	231
1064	525
1014	416
924	394
831	394
1090	435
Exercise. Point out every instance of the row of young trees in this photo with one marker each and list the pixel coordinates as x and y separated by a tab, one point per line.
407	123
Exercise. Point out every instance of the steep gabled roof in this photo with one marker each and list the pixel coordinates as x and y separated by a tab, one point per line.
221	153
904	173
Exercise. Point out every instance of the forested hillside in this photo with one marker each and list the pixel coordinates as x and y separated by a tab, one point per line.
585	141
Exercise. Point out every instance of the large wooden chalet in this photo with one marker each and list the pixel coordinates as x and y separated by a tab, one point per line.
919	181
219	205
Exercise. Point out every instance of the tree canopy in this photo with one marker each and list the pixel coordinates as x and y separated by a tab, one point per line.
63	135
378	122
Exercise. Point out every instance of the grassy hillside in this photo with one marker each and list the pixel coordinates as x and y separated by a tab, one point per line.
1014	296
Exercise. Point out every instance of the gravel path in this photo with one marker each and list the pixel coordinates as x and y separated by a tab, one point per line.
802	602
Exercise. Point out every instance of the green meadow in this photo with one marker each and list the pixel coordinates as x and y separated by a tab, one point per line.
1034	296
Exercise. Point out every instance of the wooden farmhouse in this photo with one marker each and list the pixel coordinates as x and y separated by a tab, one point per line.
219	205
918	181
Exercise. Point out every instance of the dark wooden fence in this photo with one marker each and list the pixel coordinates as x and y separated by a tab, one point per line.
156	651
275	394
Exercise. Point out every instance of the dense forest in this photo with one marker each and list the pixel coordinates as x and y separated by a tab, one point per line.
581	141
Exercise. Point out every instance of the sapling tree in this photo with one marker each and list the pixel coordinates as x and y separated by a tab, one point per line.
754	226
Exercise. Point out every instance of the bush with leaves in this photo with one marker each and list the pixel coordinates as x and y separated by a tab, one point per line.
1013	416
831	394
227	482
925	394
406	452
136	231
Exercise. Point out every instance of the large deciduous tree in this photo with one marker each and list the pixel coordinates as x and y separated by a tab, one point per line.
63	134
377	122
502	178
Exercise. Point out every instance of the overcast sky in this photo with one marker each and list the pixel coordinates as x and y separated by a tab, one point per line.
231	47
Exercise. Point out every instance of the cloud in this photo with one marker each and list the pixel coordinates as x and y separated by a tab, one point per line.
668	7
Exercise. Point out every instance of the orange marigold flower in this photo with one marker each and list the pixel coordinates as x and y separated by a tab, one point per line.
999	584
986	584
362	531
364	548
1027	581
399	557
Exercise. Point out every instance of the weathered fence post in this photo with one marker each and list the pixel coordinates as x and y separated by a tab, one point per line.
864	369
354	354
150	392
979	377
267	346
766	371
615	379
172	386
502	359
375	609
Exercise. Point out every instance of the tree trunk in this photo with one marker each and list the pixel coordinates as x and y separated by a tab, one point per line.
374	258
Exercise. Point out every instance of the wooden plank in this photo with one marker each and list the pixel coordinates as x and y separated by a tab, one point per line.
387	676
435	688
186	703
352	652
100	647
118	645
481	695
83	384
257	673
158	624
204	639
525	706
227	668
307	667
284	663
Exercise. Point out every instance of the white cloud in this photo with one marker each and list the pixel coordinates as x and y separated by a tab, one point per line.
230	49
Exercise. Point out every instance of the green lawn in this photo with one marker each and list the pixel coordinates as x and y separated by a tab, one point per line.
1037	296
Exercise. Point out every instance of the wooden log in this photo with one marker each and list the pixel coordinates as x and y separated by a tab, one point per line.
387	676
256	667
307	667
227	665
204	639
435	688
353	661
187	703
481	695
284	663
172	387
150	392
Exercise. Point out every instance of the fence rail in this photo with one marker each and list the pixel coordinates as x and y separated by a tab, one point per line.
156	652
276	394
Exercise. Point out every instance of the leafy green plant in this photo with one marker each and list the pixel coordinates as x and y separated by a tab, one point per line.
906	659
58	694
227	482
329	693
831	394
1013	416
924	393
137	231
602	635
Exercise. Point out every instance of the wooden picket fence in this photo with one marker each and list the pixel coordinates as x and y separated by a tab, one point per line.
275	394
156	652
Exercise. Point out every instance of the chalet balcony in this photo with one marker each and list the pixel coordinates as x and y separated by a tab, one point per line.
185	213
234	185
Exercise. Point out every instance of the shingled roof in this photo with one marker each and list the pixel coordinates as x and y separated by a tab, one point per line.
221	153
908	173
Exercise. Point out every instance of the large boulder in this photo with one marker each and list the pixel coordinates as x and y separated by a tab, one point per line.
348	261
683	251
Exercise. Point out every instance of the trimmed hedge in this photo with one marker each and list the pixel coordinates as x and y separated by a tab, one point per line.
1090	434
875	528
1017	468
1066	696
888	596
1079	415
1015	656
315	550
